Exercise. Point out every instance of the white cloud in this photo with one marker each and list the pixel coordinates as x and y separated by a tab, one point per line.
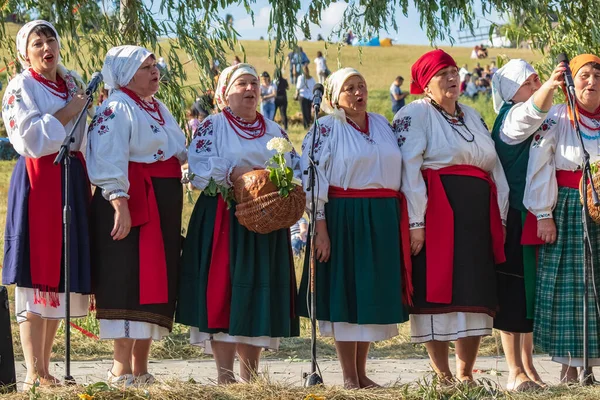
261	21
332	15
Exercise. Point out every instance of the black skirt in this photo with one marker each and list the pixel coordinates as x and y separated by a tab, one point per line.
116	263
474	276
512	301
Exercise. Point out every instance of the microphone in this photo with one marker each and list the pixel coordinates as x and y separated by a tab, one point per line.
317	97
569	84
94	83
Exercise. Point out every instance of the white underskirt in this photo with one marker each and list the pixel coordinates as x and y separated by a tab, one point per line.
449	327
203	340
346	332
124	329
576	362
25	302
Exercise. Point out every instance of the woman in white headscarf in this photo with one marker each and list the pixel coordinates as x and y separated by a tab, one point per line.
237	287
522	103
361	246
39	109
135	151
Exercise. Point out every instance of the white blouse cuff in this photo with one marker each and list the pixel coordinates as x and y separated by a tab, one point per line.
320	215
228	181
547	214
417	225
114	194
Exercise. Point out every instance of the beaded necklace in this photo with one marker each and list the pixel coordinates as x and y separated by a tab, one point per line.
246	130
458	119
58	88
150	107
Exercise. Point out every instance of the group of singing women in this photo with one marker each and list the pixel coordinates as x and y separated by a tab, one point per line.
431	218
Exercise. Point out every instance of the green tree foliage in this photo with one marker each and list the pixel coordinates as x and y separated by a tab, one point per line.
198	29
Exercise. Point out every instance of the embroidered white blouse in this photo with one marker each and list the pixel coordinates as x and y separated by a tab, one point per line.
217	149
349	158
122	131
28	109
429	141
555	147
522	120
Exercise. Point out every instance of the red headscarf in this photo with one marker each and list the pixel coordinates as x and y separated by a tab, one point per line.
426	67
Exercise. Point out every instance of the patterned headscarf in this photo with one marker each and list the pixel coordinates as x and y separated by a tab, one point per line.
507	81
333	88
121	64
426	67
23	36
226	79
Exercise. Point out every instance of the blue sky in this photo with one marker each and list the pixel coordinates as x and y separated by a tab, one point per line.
409	31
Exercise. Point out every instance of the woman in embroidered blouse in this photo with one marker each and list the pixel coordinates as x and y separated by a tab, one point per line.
237	287
135	151
457	199
522	103
552	195
360	214
39	109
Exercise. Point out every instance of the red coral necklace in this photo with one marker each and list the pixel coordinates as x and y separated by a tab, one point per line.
150	107
58	88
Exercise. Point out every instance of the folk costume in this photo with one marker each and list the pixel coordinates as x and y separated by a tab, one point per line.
237	286
360	288
553	176
457	191
135	151
513	133
33	254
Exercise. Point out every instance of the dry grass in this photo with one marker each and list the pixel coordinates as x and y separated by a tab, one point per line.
425	389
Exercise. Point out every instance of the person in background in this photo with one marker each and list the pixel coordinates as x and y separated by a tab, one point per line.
463	72
396	94
298	234
468	88
294	61
304	93
267	96
194	117
281	101
321	67
493	67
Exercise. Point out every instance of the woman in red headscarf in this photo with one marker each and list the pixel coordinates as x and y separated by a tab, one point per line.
457	203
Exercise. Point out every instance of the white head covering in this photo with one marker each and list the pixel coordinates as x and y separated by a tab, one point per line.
333	88
121	64
226	79
507	81
23	36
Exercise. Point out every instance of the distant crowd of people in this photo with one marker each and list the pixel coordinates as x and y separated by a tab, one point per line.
478	81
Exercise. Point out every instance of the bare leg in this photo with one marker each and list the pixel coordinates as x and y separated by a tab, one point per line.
249	357
51	328
122	358
511	343
224	354
527	357
438	354
362	352
139	356
568	374
33	334
466	354
347	354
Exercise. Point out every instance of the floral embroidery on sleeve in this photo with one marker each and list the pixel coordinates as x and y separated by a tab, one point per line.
203	146
205	129
101	119
13	98
160	155
401	125
154	128
12	123
539	134
324	131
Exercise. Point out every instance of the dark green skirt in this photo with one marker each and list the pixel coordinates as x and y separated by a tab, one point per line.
558	323
261	277
362	281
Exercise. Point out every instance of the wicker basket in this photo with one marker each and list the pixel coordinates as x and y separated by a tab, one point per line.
271	212
593	209
252	185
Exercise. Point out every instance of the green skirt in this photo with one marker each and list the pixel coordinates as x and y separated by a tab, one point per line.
261	272
558	323
362	281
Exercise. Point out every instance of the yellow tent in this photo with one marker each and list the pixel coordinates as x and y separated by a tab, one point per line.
387	42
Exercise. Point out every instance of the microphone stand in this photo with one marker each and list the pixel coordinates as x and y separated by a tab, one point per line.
64	156
586	377
315	377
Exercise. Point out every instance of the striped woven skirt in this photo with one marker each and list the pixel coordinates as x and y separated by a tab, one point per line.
558	324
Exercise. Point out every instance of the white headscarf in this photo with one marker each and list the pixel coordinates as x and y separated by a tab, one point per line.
333	88
226	79
23	36
507	81
121	64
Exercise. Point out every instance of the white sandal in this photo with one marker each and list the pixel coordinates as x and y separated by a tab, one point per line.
145	379
125	380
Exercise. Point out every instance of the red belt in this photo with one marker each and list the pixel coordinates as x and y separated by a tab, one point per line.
569	179
144	213
439	230
337	192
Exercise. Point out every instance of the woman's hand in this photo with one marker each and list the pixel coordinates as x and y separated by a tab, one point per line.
557	77
322	243
417	240
72	109
122	218
546	230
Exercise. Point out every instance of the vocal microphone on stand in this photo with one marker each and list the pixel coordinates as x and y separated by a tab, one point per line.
94	83
317	98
